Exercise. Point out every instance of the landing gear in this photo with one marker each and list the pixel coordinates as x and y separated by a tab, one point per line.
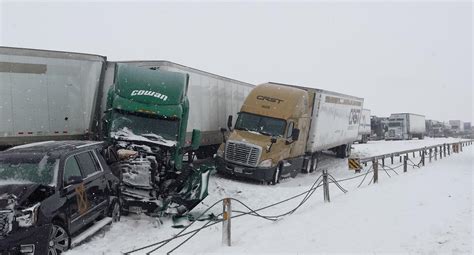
343	151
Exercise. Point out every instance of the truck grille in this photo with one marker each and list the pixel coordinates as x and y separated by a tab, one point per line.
5	222
391	133
242	153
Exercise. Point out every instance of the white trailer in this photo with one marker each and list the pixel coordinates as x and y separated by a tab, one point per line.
212	98
405	126
334	122
47	95
364	126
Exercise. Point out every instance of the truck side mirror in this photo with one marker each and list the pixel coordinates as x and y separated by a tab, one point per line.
273	139
295	134
196	139
229	122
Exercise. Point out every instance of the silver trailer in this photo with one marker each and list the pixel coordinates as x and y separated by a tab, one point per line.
364	126
405	126
212	98
47	95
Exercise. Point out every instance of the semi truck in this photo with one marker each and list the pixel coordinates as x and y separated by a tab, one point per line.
435	128
151	112
281	129
364	126
405	126
378	126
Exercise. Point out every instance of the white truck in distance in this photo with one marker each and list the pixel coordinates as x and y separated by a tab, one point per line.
405	126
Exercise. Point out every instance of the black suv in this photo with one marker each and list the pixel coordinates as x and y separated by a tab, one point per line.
51	192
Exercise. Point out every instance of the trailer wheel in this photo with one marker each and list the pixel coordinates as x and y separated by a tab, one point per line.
314	162
276	175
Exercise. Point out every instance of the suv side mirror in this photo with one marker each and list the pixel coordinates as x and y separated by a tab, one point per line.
74	180
229	122
295	135
196	139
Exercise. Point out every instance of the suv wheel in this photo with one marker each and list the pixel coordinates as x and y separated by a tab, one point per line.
115	211
58	241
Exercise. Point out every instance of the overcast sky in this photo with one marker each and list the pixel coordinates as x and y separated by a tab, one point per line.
399	56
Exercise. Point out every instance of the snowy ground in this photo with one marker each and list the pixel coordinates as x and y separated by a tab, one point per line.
427	210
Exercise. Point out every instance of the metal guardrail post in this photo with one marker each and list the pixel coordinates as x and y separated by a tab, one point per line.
430	152
460	147
400	158
405	161
413	154
444	150
383	162
423	157
449	150
436	153
391	157
326	186
375	165
440	152
227	216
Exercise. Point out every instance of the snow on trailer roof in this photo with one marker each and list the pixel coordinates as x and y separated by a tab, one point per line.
151	63
51	54
49	146
320	90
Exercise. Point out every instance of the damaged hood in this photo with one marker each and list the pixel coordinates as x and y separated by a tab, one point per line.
126	134
18	191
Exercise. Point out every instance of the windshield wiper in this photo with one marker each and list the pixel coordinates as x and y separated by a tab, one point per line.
264	133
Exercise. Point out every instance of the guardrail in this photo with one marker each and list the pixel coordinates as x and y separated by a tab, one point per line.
427	152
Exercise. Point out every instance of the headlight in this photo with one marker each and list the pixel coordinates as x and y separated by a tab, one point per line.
266	163
28	216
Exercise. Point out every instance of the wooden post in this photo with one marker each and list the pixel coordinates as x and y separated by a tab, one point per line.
460	146
444	150
391	157
405	161
383	162
449	150
413	154
431	150
227	216
436	153
375	165
440	152
400	158
326	186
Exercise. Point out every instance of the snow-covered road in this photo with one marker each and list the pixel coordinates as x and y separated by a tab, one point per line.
427	210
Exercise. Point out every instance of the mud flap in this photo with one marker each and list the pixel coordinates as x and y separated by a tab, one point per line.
192	189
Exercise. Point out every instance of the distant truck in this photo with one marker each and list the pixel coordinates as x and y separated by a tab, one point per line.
364	126
405	126
378	126
158	116
435	128
281	128
457	127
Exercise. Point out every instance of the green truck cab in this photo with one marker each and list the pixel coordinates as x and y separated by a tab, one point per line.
146	119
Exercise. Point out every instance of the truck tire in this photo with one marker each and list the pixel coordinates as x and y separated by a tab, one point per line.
314	162
277	175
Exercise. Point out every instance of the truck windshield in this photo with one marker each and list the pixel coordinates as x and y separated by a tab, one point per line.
27	168
394	124
261	124
152	127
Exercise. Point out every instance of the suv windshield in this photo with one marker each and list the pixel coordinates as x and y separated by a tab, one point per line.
152	127
261	124
28	167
